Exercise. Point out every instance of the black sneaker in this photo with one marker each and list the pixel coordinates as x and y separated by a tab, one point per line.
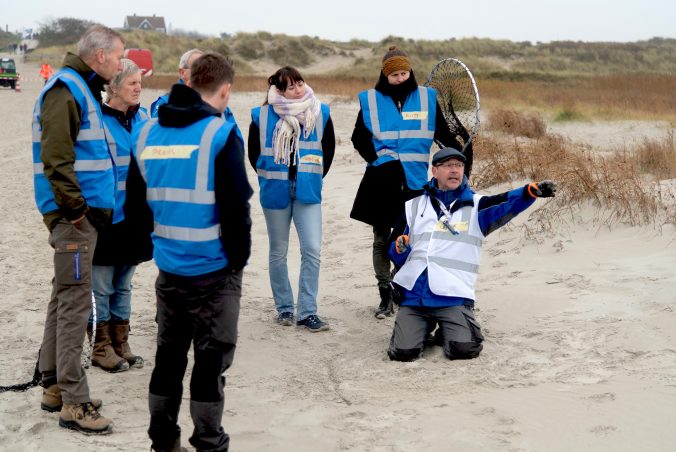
313	323
285	318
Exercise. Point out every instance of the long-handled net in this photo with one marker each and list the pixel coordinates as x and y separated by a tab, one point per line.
458	97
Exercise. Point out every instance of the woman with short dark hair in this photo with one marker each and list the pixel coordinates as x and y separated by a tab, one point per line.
291	147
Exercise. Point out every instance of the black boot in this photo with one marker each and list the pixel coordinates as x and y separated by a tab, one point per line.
164	431
386	308
207	417
176	447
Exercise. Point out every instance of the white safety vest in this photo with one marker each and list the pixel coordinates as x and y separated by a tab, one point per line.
452	260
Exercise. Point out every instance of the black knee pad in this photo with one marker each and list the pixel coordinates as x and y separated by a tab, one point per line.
463	350
410	354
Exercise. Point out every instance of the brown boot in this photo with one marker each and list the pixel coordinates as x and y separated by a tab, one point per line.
84	418
103	354
51	399
119	330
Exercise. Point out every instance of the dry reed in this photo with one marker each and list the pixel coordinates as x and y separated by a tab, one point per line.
512	122
630	96
614	184
657	157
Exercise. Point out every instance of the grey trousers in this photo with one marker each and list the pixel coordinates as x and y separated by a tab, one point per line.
459	332
68	308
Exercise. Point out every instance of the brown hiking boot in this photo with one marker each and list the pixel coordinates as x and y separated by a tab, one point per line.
119	330
104	355
51	399
84	418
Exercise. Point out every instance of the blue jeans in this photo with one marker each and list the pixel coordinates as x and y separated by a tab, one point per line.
308	221
112	291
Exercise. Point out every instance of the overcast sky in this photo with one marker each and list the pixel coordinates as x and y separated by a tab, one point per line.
342	20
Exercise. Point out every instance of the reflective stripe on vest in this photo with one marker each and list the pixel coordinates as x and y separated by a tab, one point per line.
93	164
188	234
119	144
452	260
405	136
273	178
200	194
187	228
424	132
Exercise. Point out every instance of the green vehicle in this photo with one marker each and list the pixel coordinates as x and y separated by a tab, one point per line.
8	75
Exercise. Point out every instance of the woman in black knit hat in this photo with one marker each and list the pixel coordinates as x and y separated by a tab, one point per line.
396	126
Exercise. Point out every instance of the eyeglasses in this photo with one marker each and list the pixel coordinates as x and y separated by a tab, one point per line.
451	165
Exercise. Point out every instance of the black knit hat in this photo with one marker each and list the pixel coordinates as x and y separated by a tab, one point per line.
447	153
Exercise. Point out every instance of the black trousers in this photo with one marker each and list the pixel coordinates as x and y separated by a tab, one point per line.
204	311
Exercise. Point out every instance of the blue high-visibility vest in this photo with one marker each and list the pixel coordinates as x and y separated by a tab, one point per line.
93	163
405	136
273	178
119	143
177	165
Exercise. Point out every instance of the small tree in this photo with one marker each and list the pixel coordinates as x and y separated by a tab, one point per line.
62	31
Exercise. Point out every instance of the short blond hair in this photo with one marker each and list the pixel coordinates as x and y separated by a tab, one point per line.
128	68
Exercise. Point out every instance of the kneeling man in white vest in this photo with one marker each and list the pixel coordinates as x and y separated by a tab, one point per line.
437	254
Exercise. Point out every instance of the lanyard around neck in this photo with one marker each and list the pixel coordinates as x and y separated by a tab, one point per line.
446	217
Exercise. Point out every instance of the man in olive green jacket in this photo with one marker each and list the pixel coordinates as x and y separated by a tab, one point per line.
74	189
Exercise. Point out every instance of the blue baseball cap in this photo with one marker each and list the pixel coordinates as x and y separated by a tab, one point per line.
447	153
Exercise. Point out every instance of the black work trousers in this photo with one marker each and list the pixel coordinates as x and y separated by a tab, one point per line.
201	310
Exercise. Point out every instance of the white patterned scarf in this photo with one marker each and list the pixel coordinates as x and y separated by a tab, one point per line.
294	113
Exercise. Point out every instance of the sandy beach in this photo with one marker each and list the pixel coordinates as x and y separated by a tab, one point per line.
580	327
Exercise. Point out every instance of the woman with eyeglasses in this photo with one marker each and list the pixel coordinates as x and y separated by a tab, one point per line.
395	129
291	147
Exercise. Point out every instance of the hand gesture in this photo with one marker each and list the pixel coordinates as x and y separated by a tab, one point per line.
543	189
402	244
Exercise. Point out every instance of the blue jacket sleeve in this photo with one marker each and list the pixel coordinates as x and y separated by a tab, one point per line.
398	259
496	211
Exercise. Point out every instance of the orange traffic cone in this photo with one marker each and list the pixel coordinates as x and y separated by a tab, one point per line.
17	86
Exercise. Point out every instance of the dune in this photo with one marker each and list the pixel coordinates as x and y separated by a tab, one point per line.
580	327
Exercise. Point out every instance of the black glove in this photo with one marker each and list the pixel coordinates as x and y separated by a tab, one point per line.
544	189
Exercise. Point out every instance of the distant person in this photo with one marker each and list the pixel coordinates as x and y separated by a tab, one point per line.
46	72
74	180
395	129
187	171
437	253
119	248
184	78
291	147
